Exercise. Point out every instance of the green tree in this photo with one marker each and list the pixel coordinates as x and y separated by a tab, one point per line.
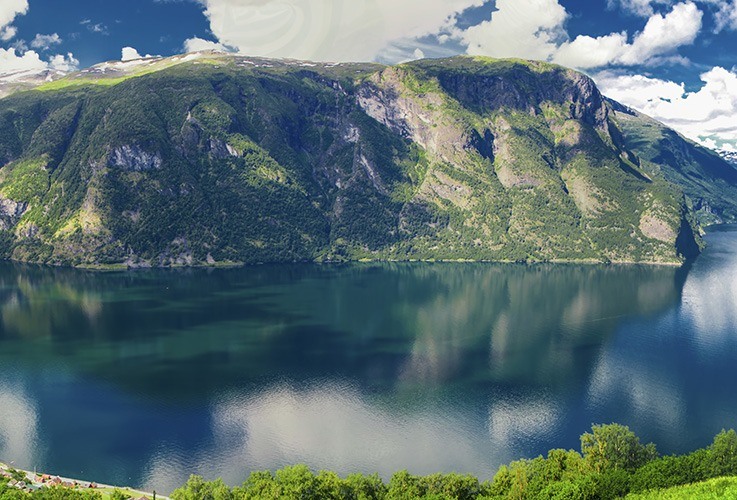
723	454
562	490
366	487
261	485
665	472
405	486
197	488
297	483
614	447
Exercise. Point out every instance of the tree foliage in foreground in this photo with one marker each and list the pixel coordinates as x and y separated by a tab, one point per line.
612	464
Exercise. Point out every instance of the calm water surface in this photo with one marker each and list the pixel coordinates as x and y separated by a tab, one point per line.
142	378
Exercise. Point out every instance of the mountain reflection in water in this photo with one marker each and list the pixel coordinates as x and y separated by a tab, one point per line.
142	378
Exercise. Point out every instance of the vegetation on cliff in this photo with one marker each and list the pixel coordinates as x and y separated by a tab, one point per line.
213	159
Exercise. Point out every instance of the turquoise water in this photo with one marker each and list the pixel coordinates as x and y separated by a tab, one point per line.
142	378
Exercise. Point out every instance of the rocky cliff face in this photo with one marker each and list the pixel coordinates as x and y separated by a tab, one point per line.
236	160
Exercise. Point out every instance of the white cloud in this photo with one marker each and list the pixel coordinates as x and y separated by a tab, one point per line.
642	8
9	9
529	29
11	62
726	16
95	27
706	115
18	60
535	29
198	44
20	46
589	52
64	63
129	54
661	36
44	42
14	65
327	30
7	33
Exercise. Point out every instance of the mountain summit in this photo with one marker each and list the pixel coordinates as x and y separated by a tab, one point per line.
216	159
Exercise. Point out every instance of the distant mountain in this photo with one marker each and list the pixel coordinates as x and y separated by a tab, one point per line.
216	159
730	156
708	181
15	81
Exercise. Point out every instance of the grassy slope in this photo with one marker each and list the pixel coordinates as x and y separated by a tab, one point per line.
225	160
722	487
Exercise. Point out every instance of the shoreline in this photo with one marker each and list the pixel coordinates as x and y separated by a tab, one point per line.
37	480
122	267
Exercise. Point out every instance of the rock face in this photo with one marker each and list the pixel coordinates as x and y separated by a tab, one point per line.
10	212
134	159
251	160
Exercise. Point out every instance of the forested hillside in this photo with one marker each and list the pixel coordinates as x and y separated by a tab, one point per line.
211	159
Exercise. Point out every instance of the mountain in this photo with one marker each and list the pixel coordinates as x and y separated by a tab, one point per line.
15	81
708	181
218	159
729	156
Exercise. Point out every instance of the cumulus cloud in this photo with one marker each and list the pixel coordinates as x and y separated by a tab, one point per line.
18	59
64	63
129	54
44	42
706	115
661	36
590	52
12	62
535	30
197	44
664	33
327	30
530	29
9	9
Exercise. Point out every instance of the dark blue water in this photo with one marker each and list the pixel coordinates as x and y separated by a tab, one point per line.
142	378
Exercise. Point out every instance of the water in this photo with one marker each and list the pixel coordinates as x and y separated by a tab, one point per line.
143	378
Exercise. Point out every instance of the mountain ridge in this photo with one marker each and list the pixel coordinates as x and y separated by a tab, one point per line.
729	156
213	159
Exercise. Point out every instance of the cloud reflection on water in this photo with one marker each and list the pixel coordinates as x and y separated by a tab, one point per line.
18	425
330	425
710	298
376	367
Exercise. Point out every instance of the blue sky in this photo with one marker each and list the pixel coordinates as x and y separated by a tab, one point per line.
673	59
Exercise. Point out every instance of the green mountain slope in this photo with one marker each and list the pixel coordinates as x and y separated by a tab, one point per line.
219	159
707	179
